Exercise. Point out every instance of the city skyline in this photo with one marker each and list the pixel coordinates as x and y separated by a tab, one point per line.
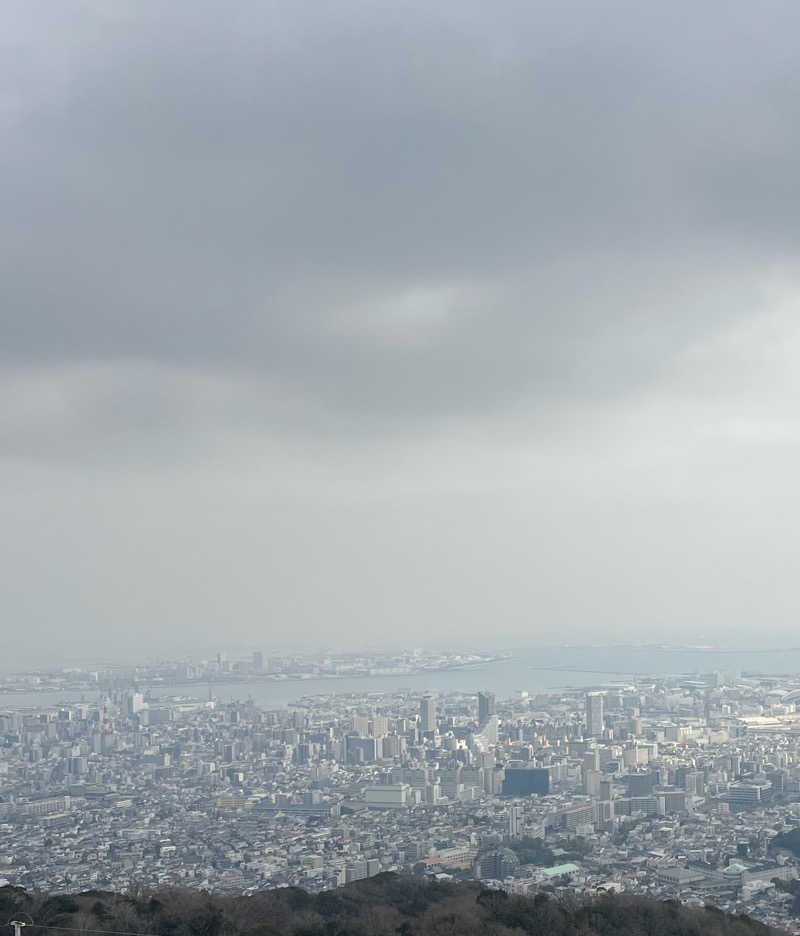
684	787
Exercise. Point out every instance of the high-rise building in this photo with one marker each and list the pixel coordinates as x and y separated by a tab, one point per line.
487	736
526	781
427	713
515	822
361	725
356	871
133	703
486	706
592	780
379	726
594	714
591	759
498	863
258	661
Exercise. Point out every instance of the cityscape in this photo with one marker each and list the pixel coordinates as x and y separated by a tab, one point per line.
399	444
678	787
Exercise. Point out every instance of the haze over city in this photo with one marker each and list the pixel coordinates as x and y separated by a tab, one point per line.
446	323
399	446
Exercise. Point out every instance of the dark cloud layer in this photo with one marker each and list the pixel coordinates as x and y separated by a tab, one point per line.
416	232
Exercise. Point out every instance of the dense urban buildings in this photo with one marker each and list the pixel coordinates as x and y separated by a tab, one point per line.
678	786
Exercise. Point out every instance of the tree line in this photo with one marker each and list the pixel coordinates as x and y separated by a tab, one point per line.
386	905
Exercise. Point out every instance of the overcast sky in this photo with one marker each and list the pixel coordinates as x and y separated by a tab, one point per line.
426	322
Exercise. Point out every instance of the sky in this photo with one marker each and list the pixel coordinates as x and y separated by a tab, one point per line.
355	322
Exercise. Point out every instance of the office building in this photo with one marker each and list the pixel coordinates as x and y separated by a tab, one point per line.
594	714
496	864
526	781
427	713
515	822
361	725
379	726
357	871
388	796
486	706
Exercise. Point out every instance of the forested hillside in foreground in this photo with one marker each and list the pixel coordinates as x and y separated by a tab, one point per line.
386	905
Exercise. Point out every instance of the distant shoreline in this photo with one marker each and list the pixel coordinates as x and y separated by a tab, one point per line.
279	678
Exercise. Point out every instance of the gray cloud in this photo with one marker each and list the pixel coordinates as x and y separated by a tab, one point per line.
395	248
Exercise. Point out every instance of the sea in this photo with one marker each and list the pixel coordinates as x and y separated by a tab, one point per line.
529	670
